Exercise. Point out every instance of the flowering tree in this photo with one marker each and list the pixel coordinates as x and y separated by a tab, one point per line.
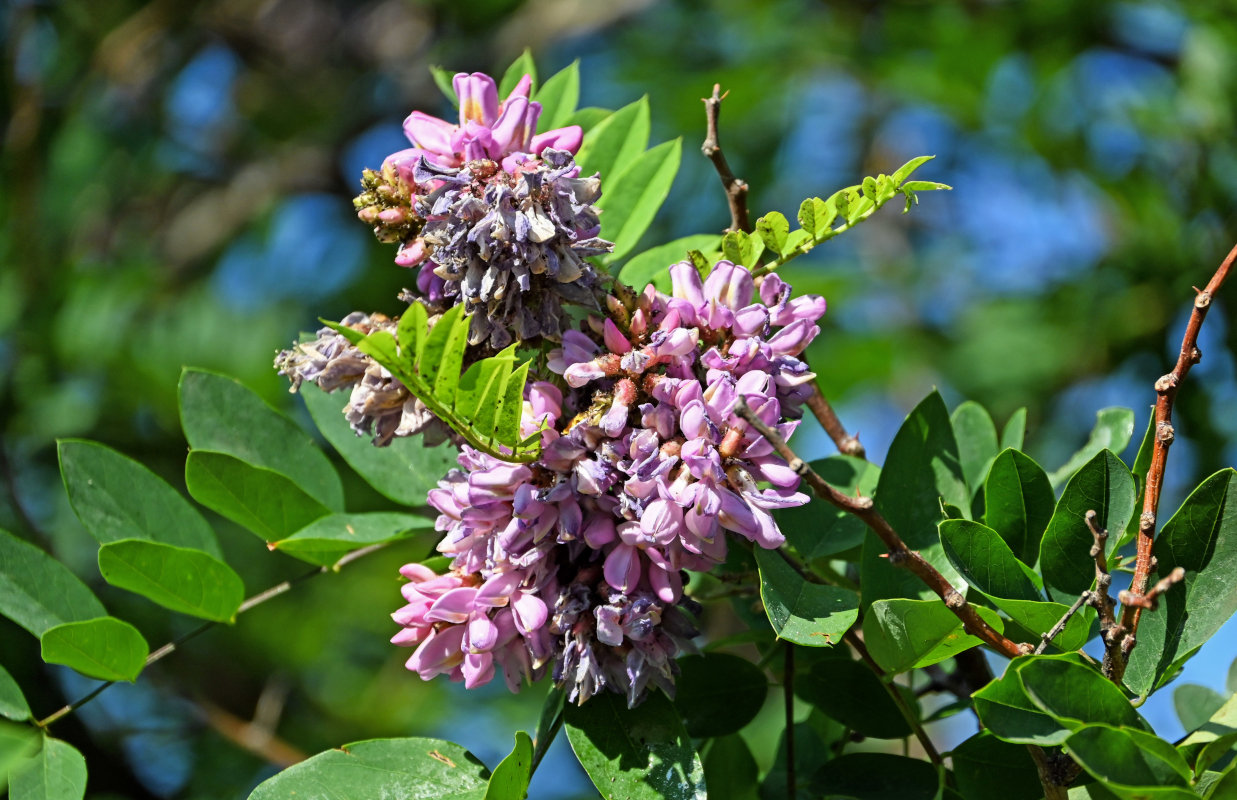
623	428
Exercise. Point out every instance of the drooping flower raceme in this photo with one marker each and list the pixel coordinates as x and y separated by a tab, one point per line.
644	466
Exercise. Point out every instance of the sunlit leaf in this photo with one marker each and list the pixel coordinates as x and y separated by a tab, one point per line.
265	502
37	591
558	97
902	634
178	578
326	539
511	776
810	614
523	65
105	648
653	265
1018	503
57	772
631	199
615	142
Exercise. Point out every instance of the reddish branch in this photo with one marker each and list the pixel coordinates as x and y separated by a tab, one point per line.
1166	389
736	190
899	554
845	442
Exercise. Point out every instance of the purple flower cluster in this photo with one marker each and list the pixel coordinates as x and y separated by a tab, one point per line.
576	562
510	246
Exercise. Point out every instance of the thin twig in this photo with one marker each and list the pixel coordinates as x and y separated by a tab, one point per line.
859	647
736	190
1047	638
171	647
846	443
899	554
1151	600
1166	392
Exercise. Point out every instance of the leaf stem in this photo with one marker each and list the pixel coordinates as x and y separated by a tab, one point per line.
788	690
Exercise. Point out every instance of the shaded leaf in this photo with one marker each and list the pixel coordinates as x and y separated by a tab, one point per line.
1015	430
921	469
864	705
1006	710
817	530
653	265
1121	757
1103	485
117	498
640	753
326	539
178	578
632	197
511	776
902	634
265	502
1040	616
976	436
1112	431
105	648
223	415
410	769
1074	694
1195	704
730	771
810	753
718	693
809	614
1201	538
987	768
404	470
37	591
880	776
1018	503
1211	739
57	772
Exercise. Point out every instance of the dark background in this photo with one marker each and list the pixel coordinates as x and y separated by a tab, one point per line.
176	184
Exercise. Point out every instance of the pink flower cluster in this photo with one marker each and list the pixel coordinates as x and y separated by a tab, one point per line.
576	563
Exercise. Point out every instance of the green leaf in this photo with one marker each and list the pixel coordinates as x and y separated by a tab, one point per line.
880	776
105	648
443	79
921	469
865	705
653	265
558	97
12	701
511	776
615	142
19	745
903	634
809	753
817	530
986	768
37	591
1112	431
588	118
742	248
1124	758
523	65
404	470
1195	704
815	216
773	229
58	772
976	436
640	753
1104	485
985	561
1040	616
549	723
632	198
1010	715
718	693
429	367
1201	538
181	579
324	541
409	769
265	502
809	614
730	771
1015	430
223	415
903	172
1075	695
1018	503
117	498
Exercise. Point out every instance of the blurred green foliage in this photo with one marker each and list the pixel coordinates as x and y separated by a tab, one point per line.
176	178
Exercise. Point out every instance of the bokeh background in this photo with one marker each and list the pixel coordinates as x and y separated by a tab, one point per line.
176	184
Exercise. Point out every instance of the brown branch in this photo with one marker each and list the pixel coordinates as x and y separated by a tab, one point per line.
1166	392
845	442
1111	632
899	554
1151	600
736	190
